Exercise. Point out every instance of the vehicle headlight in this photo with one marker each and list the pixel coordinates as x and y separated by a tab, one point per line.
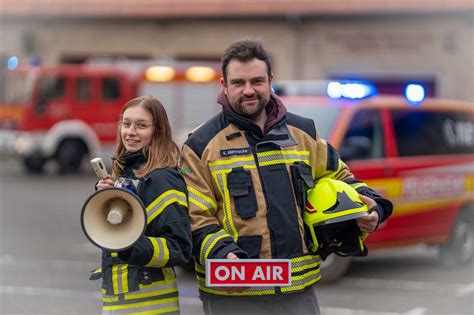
25	144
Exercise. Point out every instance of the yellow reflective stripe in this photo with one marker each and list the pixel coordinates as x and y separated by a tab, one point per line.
282	157
220	179
227	165
209	242
109	298
120	278
115	283
251	291
315	277
173	301
161	253
125	278
219	170
358	185
165	199
164	287
169	274
201	201
303	263
228	218
243	158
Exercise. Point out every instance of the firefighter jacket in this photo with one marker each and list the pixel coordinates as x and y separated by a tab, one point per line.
145	271
246	191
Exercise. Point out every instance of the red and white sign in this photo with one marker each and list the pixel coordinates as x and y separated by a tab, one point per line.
248	272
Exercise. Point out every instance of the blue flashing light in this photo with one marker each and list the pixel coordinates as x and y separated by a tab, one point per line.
12	62
415	93
353	90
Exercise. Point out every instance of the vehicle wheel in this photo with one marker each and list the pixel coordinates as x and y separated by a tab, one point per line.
34	164
70	155
334	267
459	249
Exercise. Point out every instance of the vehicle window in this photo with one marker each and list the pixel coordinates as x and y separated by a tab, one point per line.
433	133
83	89
50	88
364	137
110	89
323	116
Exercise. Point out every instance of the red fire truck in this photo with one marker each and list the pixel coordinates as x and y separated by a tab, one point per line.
65	113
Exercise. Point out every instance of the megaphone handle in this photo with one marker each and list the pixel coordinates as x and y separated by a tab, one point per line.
99	168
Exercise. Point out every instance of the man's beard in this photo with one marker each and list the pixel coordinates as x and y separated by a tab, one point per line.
250	111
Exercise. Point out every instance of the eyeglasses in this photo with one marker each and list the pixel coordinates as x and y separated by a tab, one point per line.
137	126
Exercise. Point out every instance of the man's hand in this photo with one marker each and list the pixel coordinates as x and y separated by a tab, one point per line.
232	256
368	224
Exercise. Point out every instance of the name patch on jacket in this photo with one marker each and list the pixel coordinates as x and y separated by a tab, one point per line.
231	152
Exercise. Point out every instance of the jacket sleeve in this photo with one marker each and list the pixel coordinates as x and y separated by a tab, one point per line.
167	240
329	164
210	240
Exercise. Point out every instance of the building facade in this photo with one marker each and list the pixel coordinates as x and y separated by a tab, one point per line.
387	45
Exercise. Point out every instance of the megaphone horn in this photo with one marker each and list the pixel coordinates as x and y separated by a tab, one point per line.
113	219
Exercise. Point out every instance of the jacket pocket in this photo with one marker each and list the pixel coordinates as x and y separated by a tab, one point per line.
239	182
301	174
251	244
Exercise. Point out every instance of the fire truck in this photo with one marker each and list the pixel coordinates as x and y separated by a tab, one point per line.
66	113
417	151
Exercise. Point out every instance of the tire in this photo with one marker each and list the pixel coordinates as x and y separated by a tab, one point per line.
459	249
34	164
70	155
334	267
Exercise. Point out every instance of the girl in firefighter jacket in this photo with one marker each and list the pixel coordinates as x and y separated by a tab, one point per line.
142	278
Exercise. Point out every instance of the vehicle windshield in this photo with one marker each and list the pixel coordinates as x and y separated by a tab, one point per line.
323	116
15	88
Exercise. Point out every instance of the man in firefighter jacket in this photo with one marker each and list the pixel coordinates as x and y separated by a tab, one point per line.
247	170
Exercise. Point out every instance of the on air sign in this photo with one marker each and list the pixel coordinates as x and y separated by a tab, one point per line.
248	272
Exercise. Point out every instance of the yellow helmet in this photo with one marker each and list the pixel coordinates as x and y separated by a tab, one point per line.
331	209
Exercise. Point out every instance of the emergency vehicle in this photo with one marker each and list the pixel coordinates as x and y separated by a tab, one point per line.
418	152
65	113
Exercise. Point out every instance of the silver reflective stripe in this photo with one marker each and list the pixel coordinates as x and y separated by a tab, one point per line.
229	166
204	204
157	208
209	243
121	269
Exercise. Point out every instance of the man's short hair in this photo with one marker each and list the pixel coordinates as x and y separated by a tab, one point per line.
245	50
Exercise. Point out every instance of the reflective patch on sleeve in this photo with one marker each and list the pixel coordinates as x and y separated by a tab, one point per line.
161	253
164	200
209	242
201	201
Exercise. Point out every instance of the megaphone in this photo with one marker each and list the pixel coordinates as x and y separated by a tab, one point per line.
113	218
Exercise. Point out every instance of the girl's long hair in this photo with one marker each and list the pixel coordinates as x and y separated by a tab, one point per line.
162	151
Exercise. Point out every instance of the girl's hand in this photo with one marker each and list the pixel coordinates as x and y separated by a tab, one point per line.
105	183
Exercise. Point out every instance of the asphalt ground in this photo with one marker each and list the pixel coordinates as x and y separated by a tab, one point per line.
45	261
